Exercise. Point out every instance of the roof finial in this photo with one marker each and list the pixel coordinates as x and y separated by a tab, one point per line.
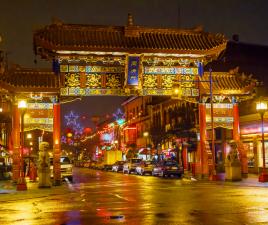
130	20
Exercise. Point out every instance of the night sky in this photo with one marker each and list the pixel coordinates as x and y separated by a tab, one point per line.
18	19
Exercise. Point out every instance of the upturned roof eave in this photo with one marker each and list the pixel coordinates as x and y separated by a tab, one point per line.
48	50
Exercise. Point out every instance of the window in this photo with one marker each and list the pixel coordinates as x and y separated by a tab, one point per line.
250	154
65	160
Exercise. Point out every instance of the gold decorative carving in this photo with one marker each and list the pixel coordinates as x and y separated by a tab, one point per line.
113	81
72	80
149	81
167	81
93	80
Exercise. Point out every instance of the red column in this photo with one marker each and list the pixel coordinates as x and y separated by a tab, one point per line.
56	144
236	129
240	146
15	137
184	157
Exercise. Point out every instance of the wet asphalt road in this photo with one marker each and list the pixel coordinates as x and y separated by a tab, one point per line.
98	197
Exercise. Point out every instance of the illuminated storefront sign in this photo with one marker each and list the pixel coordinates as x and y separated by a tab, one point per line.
253	129
133	70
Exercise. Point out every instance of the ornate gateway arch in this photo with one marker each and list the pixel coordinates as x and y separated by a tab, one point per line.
126	60
90	60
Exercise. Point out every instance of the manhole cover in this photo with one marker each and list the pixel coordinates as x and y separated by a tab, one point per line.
117	217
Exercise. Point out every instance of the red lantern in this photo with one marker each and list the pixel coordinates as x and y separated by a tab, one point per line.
87	130
68	130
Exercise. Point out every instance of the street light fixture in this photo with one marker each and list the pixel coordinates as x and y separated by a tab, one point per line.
29	136
261	107
21	185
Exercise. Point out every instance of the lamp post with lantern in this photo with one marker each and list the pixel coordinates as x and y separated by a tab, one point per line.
145	135
21	184
261	107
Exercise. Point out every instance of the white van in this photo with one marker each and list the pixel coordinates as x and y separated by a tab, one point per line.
66	167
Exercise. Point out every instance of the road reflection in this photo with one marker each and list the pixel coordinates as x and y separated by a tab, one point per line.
98	197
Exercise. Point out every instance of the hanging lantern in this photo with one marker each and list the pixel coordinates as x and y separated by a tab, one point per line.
87	130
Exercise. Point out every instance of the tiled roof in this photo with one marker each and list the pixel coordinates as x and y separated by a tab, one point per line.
231	83
22	79
131	38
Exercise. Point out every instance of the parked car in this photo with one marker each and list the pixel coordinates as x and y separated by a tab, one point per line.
107	167
167	168
66	167
118	166
99	166
145	167
131	165
86	164
79	163
92	165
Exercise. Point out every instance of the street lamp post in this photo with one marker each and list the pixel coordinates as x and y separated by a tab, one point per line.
146	134
213	170
21	185
261	107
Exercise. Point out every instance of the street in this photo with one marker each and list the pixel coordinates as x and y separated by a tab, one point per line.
98	197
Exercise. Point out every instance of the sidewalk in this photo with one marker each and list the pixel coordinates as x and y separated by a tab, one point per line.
8	187
251	181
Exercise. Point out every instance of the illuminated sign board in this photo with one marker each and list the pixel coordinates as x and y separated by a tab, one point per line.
222	115
39	115
133	70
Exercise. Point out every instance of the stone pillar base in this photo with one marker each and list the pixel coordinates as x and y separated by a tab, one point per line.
202	176
57	182
217	177
44	179
233	173
263	177
21	184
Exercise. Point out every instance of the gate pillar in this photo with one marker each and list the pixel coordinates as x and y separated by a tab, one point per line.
236	129
15	138
202	157
240	146
56	144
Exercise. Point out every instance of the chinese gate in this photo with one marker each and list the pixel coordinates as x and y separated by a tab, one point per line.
90	60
